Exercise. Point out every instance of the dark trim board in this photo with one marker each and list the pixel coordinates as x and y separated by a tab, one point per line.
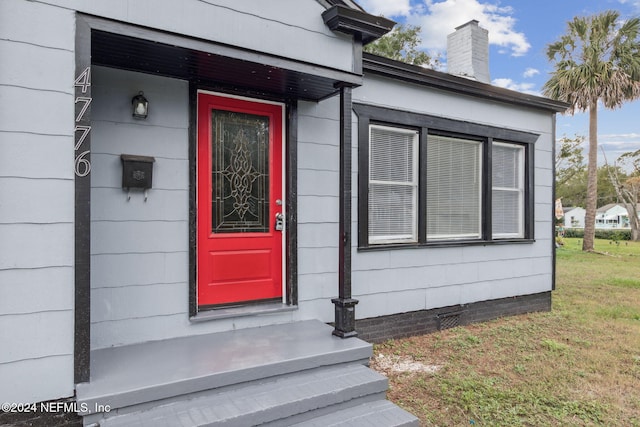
553	208
380	329
82	221
291	168
193	207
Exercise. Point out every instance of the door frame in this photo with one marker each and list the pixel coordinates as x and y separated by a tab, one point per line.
289	192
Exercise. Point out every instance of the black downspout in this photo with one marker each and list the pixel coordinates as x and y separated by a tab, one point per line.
345	323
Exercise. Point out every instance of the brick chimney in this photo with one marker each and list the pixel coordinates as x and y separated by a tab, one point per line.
468	52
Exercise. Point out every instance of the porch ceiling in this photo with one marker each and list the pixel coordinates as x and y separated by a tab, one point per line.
214	70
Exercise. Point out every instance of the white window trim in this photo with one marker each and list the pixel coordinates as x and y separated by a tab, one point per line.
407	238
520	190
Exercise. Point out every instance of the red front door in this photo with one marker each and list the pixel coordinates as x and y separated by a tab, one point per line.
240	199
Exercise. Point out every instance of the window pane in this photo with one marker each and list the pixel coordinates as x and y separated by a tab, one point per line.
508	190
454	183
391	212
392	185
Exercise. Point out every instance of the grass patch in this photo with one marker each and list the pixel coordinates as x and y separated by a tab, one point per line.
624	283
576	365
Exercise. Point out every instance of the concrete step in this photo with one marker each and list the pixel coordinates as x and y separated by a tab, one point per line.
380	413
279	401
155	372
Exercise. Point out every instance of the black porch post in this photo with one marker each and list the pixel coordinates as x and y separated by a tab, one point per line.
345	323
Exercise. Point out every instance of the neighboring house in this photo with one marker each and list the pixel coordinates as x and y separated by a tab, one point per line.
574	217
273	179
613	215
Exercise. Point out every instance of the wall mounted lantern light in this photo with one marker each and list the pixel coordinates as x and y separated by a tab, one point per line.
140	106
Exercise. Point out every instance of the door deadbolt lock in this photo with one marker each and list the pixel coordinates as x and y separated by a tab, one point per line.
279	222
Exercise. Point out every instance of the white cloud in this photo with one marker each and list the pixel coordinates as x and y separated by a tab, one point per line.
513	85
624	136
617	144
635	3
440	18
530	72
388	8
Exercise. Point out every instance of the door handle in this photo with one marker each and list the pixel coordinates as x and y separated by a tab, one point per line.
279	222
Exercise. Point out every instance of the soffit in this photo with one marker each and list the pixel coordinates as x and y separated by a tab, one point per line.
145	50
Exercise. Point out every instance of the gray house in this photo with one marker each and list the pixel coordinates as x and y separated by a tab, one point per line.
205	201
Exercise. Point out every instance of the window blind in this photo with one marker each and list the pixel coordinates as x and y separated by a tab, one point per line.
507	197
393	184
454	183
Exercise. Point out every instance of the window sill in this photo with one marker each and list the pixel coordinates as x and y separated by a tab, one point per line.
241	311
385	247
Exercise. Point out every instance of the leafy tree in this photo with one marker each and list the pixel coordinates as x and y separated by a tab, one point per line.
597	60
606	190
628	188
569	159
401	44
574	190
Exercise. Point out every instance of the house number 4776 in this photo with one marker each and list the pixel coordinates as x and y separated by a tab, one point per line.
82	129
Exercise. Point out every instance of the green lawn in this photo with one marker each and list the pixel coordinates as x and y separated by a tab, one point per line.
576	365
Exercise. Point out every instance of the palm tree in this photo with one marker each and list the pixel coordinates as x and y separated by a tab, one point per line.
596	61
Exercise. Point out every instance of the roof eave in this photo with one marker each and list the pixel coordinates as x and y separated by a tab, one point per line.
448	82
346	20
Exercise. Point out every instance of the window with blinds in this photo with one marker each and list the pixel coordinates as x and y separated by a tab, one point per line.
454	188
507	196
432	181
393	185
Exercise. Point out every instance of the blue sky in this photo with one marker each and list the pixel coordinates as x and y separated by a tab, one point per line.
519	31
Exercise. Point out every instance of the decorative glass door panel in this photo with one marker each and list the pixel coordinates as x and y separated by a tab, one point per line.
240	188
240	202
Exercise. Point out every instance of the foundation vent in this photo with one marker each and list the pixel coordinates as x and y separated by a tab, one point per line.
448	320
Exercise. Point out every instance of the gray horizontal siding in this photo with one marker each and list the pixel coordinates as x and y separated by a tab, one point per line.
317	286
36	201
316	209
30	156
22	381
36	245
139	249
111	204
55	25
41	335
50	78
298	22
27	291
127	269
118	237
318	206
137	301
134	137
45	105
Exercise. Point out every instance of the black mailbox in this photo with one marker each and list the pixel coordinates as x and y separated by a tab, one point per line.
137	171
